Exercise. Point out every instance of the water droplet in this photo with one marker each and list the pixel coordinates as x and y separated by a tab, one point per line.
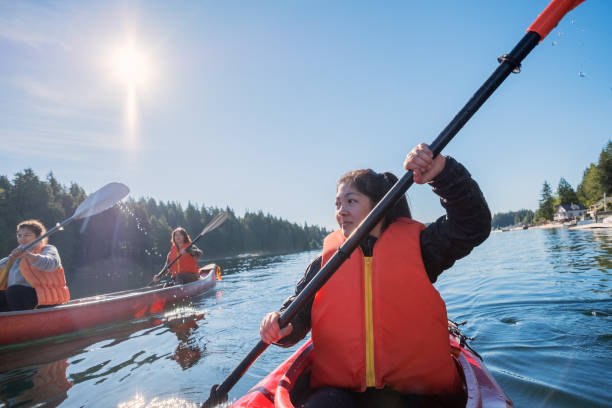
581	74
554	43
572	21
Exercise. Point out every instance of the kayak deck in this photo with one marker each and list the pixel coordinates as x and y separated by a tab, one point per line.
288	384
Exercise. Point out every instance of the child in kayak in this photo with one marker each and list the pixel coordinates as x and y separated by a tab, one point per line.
379	327
186	269
34	278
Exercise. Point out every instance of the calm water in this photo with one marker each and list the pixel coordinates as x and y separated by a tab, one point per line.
538	302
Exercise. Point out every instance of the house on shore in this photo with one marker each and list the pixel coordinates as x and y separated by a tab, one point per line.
571	211
598	206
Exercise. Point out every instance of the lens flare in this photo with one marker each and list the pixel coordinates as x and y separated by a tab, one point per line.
132	67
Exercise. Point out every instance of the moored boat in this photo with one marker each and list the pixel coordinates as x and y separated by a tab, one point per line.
287	385
79	314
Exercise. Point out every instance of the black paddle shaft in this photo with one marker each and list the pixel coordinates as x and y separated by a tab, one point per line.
508	63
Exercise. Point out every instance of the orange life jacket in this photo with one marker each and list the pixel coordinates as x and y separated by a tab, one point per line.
185	264
50	286
379	321
4	274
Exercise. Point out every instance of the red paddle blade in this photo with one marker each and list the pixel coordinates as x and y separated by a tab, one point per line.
550	17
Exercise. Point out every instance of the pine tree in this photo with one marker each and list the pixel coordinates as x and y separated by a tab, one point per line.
546	210
566	193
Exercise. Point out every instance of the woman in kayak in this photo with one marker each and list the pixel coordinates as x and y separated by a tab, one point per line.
379	327
186	269
34	278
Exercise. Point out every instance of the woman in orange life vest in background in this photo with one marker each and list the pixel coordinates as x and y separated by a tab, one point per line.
186	269
379	327
34	278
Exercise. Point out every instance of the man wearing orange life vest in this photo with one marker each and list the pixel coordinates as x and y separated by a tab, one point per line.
379	327
186	269
34	278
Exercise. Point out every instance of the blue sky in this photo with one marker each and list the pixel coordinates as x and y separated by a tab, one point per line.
263	105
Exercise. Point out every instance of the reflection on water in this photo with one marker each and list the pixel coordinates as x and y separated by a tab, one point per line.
33	376
574	250
47	384
187	352
538	302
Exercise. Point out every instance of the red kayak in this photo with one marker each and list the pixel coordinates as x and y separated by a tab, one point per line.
28	325
288	383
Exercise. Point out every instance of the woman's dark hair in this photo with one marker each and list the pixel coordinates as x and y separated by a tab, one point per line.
35	226
183	231
375	186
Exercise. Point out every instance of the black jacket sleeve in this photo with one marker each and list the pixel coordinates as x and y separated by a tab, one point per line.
301	321
194	251
467	222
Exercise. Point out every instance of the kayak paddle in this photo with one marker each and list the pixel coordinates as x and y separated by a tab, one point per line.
212	225
97	202
508	63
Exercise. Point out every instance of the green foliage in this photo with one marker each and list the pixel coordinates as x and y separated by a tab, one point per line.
566	193
139	230
605	168
590	190
521	217
597	179
546	209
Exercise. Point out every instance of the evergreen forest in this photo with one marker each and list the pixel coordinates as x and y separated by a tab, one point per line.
137	233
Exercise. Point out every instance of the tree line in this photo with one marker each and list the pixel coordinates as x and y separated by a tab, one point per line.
596	181
139	230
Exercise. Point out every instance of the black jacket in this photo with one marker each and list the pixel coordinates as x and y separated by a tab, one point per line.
467	224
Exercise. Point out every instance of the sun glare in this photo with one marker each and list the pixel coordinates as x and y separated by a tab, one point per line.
132	66
133	69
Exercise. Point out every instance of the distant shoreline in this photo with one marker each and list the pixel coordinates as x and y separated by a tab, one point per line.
553	225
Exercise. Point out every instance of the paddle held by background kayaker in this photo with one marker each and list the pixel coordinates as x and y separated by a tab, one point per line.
186	269
379	327
34	278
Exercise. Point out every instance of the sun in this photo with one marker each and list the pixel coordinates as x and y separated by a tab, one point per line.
131	65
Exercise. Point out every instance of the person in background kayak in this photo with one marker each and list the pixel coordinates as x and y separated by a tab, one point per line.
186	269
34	278
379	327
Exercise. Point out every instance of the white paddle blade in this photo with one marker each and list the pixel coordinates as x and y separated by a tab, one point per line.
215	222
101	200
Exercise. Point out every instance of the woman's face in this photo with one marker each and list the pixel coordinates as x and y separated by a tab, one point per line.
351	208
178	238
25	236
